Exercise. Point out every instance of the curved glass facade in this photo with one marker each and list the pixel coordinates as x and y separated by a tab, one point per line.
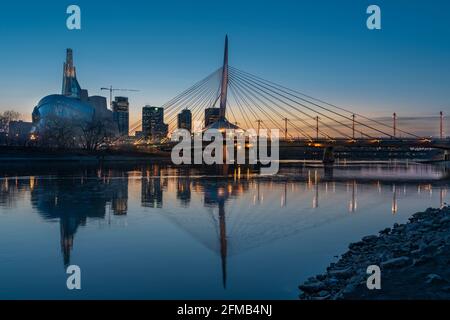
59	106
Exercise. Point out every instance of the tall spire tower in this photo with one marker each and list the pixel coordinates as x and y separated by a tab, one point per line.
70	85
224	83
222	123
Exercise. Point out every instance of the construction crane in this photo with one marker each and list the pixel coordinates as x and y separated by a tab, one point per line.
111	90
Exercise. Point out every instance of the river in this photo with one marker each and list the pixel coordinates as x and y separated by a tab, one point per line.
154	231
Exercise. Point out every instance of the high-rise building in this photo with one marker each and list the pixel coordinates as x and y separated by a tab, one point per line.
121	108
211	115
153	125
70	86
185	120
99	103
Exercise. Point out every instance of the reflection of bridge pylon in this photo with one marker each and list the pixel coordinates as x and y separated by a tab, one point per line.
223	242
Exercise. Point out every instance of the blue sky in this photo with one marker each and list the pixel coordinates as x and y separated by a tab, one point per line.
320	47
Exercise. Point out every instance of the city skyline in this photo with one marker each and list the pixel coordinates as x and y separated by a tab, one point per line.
347	65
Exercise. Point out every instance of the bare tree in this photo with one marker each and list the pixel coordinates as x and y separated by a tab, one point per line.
59	133
96	132
6	117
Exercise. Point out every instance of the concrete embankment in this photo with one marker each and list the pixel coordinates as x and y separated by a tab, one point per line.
414	259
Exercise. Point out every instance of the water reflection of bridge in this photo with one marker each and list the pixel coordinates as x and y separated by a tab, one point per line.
229	214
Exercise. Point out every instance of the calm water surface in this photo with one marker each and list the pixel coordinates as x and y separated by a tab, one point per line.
150	231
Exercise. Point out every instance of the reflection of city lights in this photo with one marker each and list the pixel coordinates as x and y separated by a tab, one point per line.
353	205
394	200
309	179
315	203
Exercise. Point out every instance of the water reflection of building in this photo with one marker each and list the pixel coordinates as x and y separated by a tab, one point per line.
119	195
13	189
228	222
74	200
152	187
184	191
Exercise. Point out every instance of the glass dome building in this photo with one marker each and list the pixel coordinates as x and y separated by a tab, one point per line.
72	106
59	106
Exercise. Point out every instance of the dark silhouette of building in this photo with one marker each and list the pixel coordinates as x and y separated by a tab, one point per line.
100	105
121	108
212	115
153	125
185	120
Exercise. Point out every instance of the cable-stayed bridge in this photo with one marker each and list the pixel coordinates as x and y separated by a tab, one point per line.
247	101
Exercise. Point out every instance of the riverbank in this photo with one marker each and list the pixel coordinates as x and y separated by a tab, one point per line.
22	154
414	259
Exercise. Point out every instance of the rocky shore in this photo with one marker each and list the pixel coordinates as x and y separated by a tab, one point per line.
414	259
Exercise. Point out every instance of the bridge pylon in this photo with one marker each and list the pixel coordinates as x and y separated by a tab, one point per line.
328	155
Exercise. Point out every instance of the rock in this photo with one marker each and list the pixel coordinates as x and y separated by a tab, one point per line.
341	273
396	263
424	242
319	298
428	249
323	294
422	260
321	277
349	288
435	279
370	239
331	282
355	246
313	287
